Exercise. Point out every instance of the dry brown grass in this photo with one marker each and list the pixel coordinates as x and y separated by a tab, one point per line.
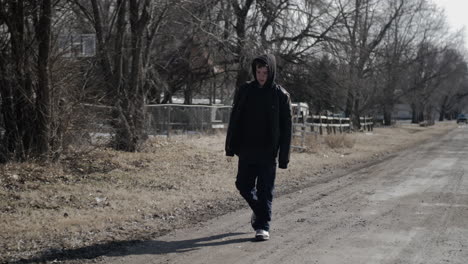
339	141
314	143
104	195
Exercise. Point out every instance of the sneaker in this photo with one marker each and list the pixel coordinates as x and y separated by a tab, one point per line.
253	219
262	235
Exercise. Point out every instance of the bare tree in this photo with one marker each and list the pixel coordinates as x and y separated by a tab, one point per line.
125	31
396	52
241	58
43	88
454	88
364	24
292	30
428	77
25	89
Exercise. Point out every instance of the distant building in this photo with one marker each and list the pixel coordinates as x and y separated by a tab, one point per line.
402	111
77	45
300	109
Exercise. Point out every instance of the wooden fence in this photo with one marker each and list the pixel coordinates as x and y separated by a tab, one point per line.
320	124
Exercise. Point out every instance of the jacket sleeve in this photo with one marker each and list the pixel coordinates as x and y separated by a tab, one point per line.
285	131
230	130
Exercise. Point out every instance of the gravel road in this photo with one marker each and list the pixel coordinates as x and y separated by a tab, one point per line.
411	207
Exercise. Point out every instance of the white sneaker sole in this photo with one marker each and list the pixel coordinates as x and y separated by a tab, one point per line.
262	238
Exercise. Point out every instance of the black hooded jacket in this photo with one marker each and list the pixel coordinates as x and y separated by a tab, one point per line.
279	115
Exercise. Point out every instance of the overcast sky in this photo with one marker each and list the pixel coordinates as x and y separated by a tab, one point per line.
457	14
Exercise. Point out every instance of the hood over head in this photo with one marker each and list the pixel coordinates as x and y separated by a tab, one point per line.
270	60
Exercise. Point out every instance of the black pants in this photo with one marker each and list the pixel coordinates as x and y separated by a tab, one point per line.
255	182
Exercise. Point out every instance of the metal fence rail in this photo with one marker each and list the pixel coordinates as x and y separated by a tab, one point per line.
176	118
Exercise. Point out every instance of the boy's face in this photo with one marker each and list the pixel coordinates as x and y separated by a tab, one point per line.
262	75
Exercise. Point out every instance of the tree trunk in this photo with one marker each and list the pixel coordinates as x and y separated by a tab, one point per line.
167	98
388	102
420	116
126	85
349	103
387	117
357	115
10	136
21	86
101	50
443	108
242	76
241	16
134	109
26	112
414	113
43	90
188	93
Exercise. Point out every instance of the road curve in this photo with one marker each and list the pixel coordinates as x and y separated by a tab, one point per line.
409	208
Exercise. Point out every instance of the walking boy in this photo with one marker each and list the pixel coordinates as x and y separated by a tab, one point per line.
259	133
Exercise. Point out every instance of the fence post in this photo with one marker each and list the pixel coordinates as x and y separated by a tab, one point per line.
303	130
320	124
326	124
169	127
312	129
334	126
201	120
341	128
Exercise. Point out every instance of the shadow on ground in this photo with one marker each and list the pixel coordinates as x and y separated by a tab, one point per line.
136	247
